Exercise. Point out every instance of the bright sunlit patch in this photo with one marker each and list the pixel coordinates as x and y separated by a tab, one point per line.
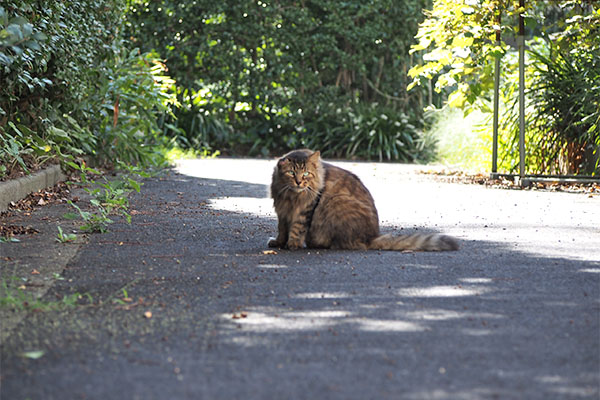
443	291
288	321
476	280
243	170
590	270
322	295
438	314
247	205
551	379
271	266
381	325
477	332
317	314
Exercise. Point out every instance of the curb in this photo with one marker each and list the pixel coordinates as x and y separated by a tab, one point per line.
17	189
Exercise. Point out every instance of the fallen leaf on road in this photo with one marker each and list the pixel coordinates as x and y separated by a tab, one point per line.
269	252
34	355
148	314
240	315
35	272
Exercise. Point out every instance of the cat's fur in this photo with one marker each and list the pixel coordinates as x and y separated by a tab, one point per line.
323	206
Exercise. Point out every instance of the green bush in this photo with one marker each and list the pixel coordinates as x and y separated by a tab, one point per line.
563	112
46	53
70	88
368	131
131	94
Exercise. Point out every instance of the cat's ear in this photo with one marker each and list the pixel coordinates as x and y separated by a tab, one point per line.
314	157
282	162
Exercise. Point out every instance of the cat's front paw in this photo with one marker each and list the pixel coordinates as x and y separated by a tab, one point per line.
294	245
274	243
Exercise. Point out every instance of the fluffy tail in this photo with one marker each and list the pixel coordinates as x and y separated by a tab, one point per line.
416	242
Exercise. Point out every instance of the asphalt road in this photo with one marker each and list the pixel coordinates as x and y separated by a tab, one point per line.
189	304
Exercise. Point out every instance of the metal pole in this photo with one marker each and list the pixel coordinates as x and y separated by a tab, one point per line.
521	44
496	103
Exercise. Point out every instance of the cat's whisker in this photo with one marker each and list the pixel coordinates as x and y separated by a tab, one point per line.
284	189
312	192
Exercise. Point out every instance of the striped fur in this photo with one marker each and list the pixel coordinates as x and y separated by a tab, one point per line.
415	242
322	206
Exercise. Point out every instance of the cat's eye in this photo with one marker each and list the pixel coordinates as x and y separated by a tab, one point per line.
291	173
306	174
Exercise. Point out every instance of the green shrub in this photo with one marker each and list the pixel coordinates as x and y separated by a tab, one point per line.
71	88
46	53
130	95
368	131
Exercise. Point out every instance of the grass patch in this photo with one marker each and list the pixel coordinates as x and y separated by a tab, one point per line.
13	295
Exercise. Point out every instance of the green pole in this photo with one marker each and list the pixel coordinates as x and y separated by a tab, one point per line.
496	102
521	44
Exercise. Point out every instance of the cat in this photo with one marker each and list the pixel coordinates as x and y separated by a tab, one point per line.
323	206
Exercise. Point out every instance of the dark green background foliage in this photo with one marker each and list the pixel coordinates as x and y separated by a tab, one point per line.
261	77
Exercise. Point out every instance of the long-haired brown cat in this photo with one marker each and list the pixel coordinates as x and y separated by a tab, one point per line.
323	206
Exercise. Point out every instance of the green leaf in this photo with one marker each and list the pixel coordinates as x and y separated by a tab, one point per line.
457	99
134	184
34	355
70	215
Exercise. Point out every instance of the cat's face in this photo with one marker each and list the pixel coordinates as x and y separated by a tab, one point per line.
299	172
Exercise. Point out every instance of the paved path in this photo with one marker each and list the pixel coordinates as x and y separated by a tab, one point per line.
513	315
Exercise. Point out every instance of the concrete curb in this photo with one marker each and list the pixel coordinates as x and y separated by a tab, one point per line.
17	189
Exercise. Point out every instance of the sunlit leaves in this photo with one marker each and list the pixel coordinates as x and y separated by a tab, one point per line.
458	41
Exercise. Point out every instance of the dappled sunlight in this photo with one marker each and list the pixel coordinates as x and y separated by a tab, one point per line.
319	310
322	295
564	386
476	280
445	315
440	394
271	266
590	270
476	332
315	320
443	291
387	325
259	321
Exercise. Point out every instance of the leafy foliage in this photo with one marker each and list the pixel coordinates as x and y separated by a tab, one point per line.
252	74
108	196
367	131
562	72
459	38
65	72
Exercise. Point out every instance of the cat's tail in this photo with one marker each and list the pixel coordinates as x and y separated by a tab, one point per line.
415	242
